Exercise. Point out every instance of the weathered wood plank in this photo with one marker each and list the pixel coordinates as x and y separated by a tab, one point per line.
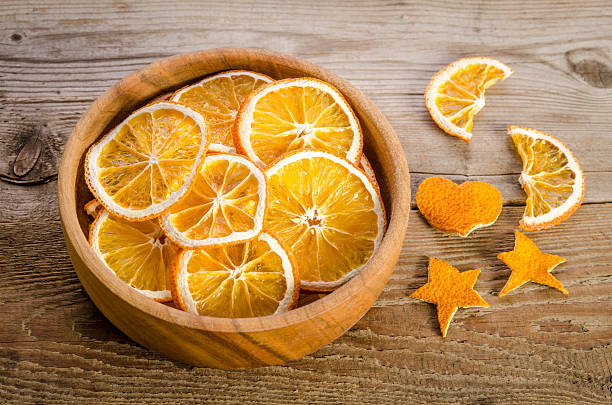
534	344
561	82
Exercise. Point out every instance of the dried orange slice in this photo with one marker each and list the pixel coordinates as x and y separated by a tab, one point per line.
226	204
295	114
456	93
327	212
93	208
551	178
255	278
218	98
137	252
364	164
147	163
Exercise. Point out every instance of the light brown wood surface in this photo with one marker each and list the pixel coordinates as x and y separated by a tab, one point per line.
533	346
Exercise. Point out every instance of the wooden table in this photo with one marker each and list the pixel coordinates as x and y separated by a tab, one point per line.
533	346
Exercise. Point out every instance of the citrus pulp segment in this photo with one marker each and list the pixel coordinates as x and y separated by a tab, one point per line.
225	205
218	98
456	93
551	177
296	114
147	163
136	252
255	278
328	214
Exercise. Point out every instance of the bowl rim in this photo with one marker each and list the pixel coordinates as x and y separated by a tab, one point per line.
398	174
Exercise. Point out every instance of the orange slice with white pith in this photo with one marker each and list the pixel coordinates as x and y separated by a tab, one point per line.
226	204
255	278
364	164
137	252
327	212
552	178
148	162
92	208
218	98
456	93
293	114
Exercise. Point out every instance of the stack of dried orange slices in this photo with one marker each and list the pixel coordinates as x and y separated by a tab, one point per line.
234	195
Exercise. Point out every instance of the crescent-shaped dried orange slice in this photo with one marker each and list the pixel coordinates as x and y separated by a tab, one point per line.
218	98
327	212
226	204
148	162
293	114
551	177
255	278
456	93
137	252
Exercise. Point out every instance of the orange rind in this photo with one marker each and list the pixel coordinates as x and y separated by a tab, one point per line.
449	289
92	208
458	209
528	263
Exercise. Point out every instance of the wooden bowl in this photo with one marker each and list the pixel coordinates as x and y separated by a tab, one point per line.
218	342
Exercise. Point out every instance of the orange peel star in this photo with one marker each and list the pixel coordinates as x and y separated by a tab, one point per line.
449	289
528	263
458	209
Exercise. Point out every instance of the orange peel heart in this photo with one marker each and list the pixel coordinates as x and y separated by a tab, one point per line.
458	209
528	263
449	289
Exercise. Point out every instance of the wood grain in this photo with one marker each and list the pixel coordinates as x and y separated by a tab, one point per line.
532	346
